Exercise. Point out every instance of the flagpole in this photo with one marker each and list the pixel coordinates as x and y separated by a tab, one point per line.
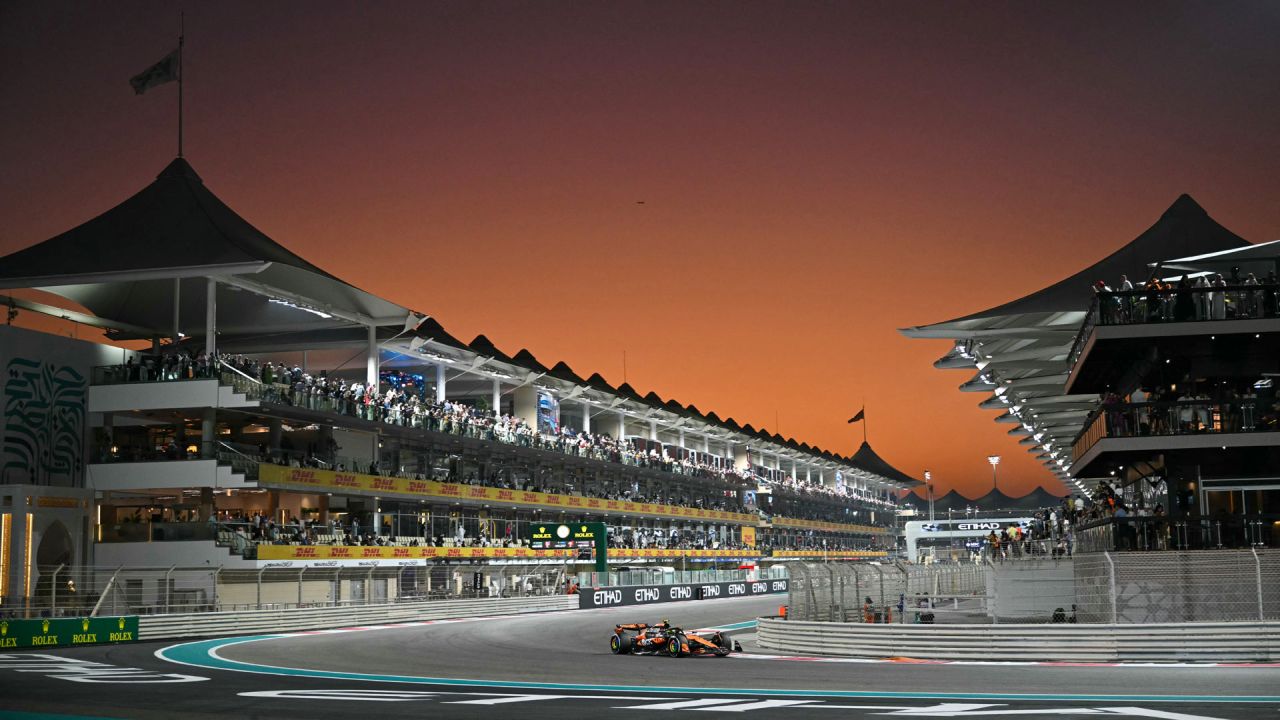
182	70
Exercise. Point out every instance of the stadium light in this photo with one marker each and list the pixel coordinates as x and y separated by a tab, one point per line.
994	460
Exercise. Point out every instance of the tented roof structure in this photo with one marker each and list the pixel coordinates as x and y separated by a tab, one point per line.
1020	349
123	264
954	502
140	268
869	460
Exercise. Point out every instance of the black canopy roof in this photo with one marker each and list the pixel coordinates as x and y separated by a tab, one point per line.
868	460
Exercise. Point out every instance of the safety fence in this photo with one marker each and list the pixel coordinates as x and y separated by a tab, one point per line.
1170	587
856	592
98	591
291	620
1205	642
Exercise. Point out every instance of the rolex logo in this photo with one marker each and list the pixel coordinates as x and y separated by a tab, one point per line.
121	623
4	627
44	627
84	625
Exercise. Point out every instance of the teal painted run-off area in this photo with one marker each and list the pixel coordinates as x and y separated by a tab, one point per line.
203	654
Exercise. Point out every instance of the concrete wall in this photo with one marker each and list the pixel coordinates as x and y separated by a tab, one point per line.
1030	590
244	594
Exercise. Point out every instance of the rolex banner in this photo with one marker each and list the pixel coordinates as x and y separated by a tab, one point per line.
65	632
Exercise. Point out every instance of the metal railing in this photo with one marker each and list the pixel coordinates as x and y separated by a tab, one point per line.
1193	532
1183	417
1177	304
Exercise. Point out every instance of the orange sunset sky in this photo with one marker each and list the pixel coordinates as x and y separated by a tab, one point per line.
747	198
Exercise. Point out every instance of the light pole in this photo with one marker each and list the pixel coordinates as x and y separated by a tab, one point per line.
994	460
928	484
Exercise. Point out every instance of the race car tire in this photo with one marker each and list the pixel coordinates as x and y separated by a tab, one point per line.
676	644
620	645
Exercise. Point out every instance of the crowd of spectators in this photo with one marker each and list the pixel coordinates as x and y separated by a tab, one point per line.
1203	297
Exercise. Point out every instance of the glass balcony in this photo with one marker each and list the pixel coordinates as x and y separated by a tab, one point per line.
1178	305
1184	417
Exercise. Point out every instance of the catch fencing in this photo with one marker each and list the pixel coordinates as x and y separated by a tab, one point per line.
1173	587
99	591
838	592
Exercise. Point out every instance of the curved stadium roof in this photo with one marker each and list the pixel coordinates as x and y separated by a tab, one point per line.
127	264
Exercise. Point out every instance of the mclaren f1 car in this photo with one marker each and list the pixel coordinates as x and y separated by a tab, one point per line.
663	638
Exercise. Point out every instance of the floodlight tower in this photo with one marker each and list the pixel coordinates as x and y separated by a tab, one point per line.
995	481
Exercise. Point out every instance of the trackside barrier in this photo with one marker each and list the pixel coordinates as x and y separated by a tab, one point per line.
159	627
649	594
1200	642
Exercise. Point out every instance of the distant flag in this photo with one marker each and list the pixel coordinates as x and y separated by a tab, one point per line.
861	414
167	70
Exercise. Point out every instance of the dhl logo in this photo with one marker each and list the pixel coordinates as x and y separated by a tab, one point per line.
453	552
506	495
304	476
384	484
339	551
529	497
371	552
305	552
342	480
478	492
553	499
417	486
401	552
450	490
575	501
611	504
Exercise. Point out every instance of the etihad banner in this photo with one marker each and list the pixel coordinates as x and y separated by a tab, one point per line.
313	480
828	526
66	632
597	597
383	552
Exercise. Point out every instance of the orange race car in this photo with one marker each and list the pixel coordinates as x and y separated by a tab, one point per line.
662	639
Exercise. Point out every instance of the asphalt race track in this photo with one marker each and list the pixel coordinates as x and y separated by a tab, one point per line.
558	665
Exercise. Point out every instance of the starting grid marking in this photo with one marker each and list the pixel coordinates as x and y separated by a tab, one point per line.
734	705
86	671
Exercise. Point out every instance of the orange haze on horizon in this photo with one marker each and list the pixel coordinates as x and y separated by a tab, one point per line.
747	198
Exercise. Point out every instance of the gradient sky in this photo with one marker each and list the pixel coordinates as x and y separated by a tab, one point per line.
813	175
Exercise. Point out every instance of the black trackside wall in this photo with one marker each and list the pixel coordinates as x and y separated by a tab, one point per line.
621	595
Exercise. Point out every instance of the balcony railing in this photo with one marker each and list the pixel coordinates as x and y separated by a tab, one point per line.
1183	417
1151	533
1177	305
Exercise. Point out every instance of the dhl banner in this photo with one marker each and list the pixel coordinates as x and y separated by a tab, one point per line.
749	536
828	526
309	479
382	552
832	554
662	553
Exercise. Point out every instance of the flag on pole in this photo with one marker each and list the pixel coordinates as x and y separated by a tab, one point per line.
167	70
861	414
